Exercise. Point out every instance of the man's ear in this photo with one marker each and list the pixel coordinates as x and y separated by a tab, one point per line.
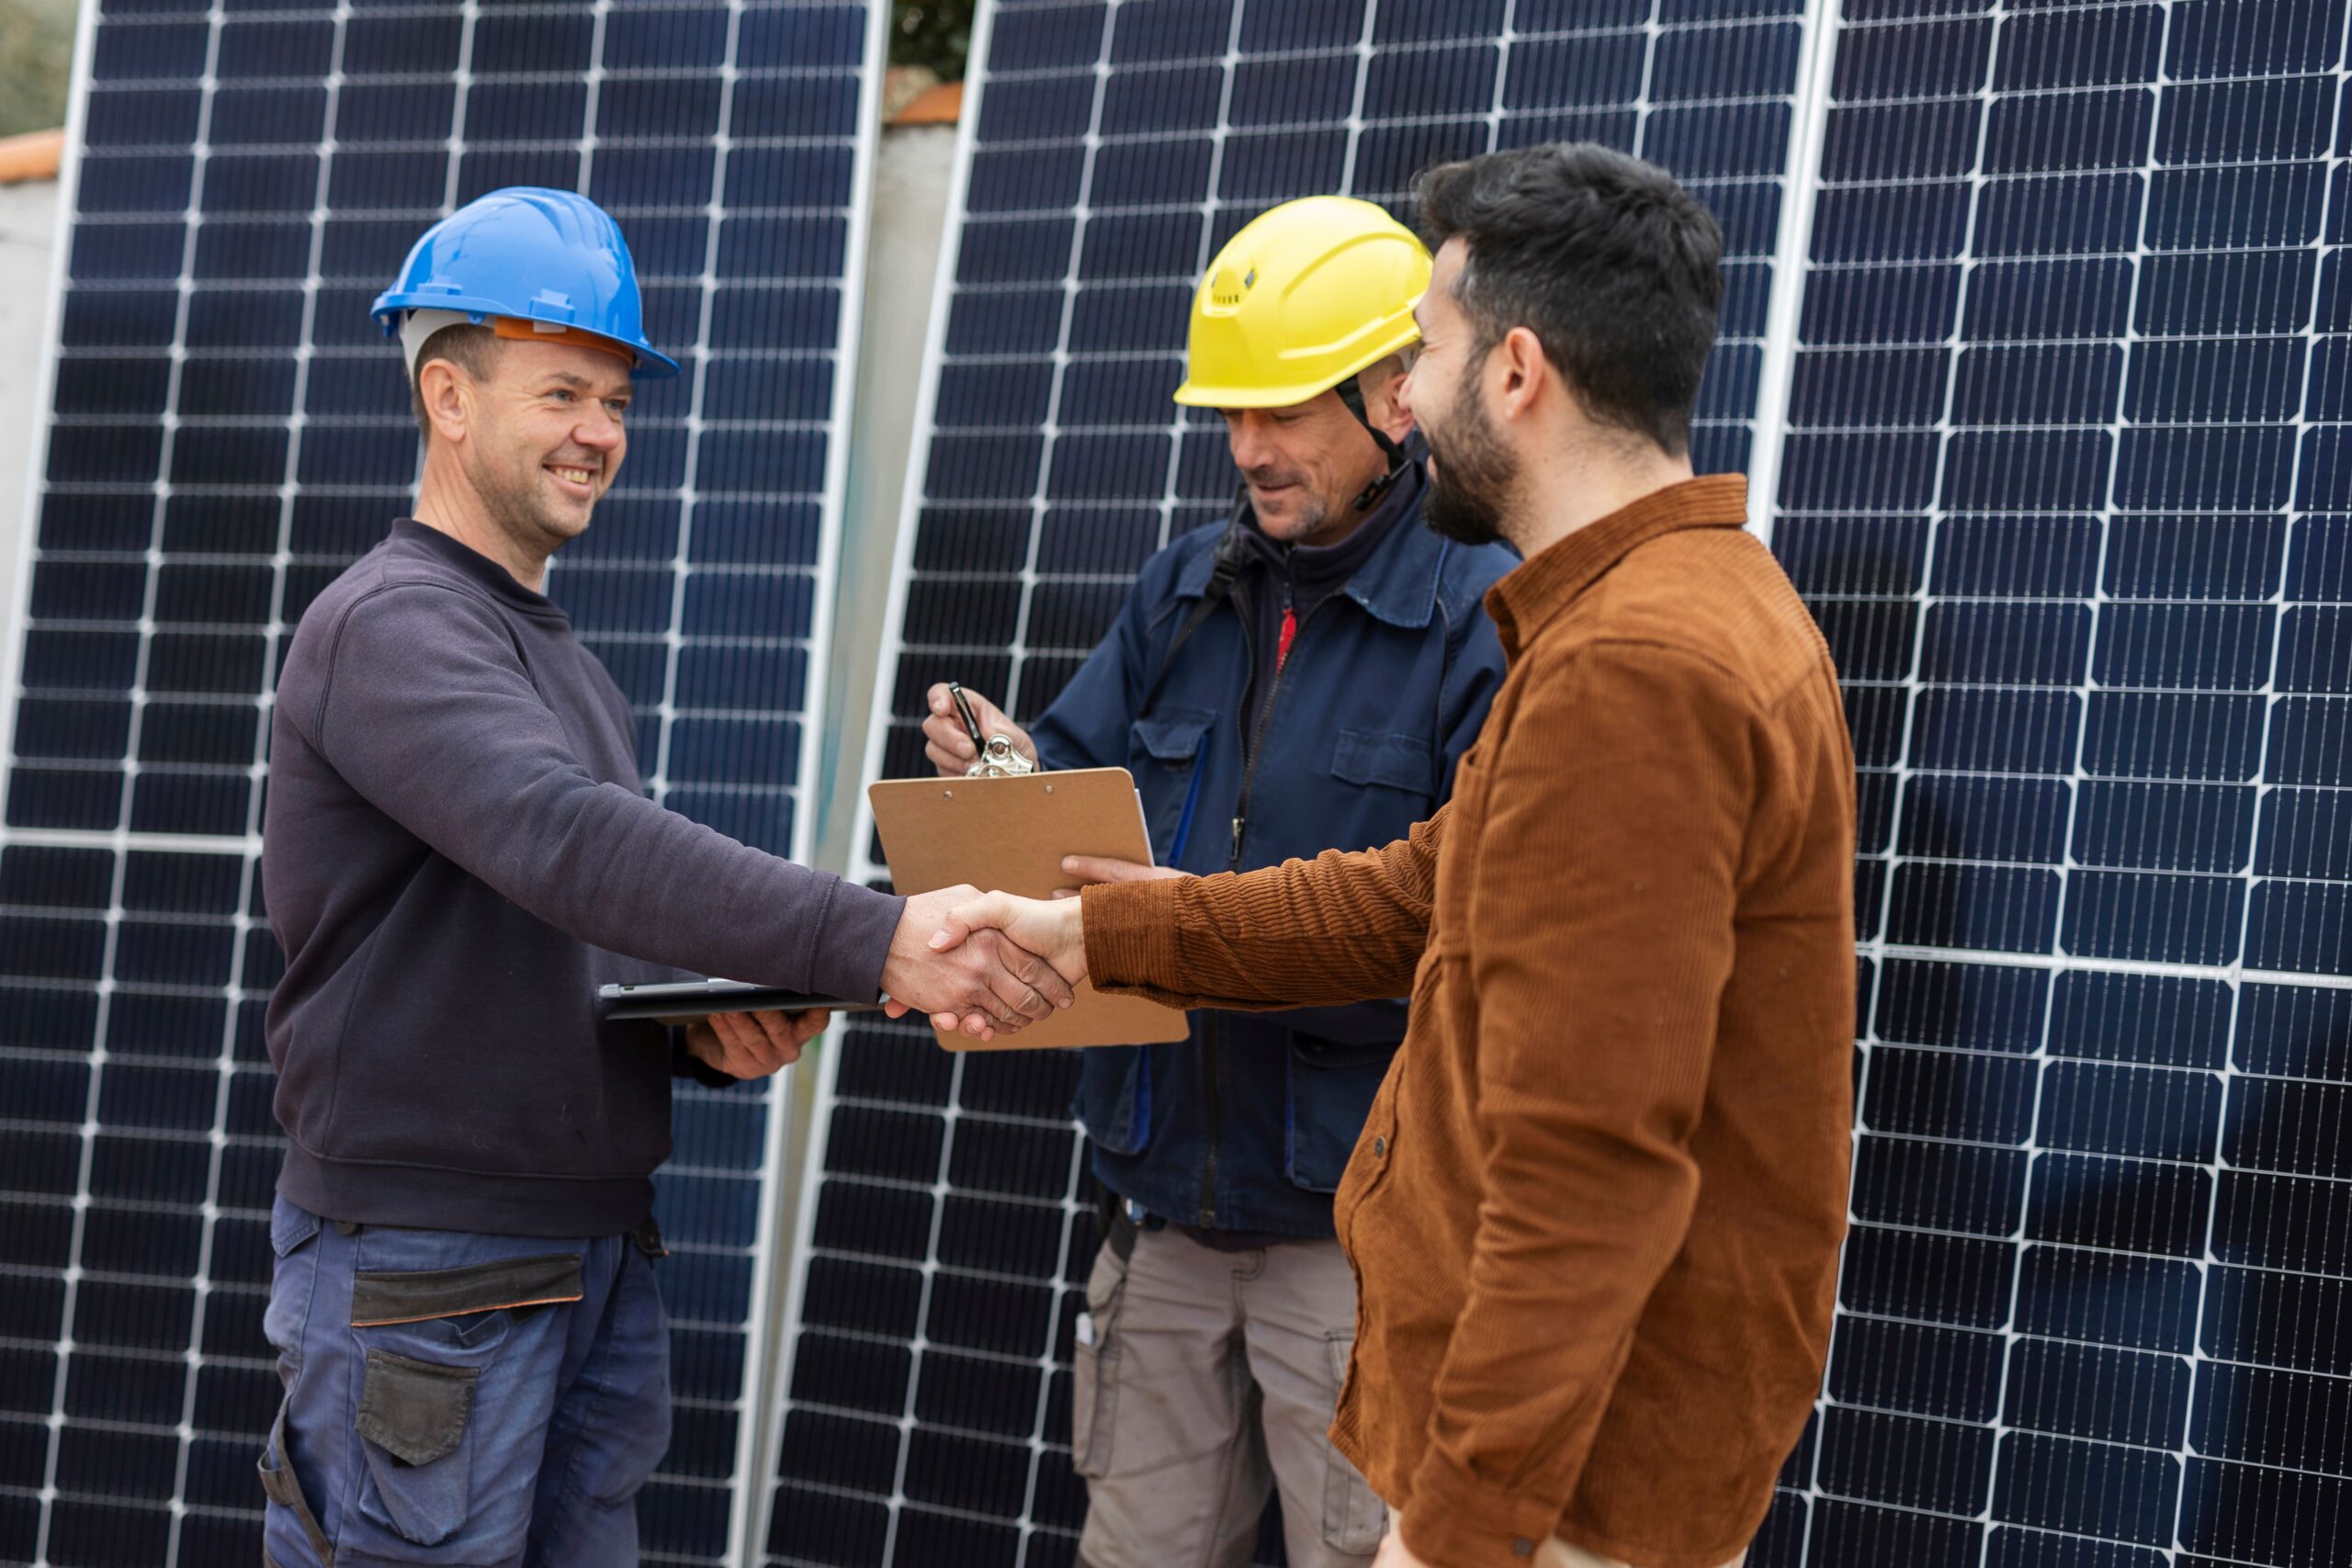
1386	410
1522	370
447	394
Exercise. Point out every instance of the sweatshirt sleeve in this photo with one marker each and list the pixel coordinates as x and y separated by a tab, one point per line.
425	708
1597	1022
1340	928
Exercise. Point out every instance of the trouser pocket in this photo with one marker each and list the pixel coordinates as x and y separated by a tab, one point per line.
628	1429
279	1484
1353	1517
1094	1366
445	1353
412	1418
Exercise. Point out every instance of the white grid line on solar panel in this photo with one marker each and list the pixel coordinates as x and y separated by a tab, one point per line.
900	1500
2020	1239
283	151
2029	1145
2074	1342
1220	204
420	216
399	499
1255	132
1045	1363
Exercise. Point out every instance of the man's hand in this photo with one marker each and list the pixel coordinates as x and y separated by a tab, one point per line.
754	1044
1054	930
1394	1553
1103	868
980	986
949	746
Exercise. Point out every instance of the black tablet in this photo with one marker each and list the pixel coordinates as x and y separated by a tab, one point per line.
682	1001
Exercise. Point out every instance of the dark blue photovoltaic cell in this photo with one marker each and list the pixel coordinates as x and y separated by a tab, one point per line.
169	567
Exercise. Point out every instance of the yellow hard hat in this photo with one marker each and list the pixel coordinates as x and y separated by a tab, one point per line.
1304	296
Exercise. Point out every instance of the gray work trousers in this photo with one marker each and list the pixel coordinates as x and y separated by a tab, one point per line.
1204	1380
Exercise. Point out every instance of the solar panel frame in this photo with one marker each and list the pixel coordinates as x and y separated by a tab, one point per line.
719	1196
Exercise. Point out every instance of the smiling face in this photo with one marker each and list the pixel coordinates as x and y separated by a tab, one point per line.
1472	473
1306	463
545	438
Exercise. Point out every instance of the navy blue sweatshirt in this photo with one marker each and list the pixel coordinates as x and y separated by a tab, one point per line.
456	852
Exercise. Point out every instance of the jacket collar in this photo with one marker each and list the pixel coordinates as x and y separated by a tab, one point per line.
1397	583
1550	580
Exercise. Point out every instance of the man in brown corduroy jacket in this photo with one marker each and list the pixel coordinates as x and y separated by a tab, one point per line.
1596	1207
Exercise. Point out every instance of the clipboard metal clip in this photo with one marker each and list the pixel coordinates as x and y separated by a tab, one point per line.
998	759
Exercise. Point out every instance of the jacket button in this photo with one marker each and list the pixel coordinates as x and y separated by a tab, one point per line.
1522	1547
1380	1148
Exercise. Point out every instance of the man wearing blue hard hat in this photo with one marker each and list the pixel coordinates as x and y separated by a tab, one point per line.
457	852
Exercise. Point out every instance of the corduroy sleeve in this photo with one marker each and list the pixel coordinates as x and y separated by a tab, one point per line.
1600	941
1340	928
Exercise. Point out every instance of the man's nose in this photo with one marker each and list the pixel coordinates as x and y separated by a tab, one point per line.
1245	438
597	429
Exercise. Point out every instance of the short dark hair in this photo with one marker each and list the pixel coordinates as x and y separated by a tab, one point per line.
470	345
1615	268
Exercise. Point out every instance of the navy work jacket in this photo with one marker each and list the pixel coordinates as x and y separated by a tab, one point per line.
1247	1124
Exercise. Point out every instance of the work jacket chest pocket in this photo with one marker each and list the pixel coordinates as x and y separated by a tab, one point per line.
1166	752
1407	763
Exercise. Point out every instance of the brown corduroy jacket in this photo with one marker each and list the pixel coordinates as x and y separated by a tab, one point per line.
1595	1213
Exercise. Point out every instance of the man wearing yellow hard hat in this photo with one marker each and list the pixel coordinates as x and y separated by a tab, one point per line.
1302	678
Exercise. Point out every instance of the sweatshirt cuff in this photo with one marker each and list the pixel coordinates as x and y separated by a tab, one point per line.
852	943
1453	1519
1130	928
684	1063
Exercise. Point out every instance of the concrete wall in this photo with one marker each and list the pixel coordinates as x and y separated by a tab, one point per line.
27	238
912	174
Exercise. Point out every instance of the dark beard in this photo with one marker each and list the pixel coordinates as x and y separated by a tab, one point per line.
1475	474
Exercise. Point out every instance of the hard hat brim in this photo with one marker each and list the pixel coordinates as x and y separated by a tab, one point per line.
1192	394
651	364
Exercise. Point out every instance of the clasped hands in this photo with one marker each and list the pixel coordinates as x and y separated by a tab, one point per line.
988	962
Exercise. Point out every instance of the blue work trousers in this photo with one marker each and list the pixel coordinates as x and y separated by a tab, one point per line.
476	1401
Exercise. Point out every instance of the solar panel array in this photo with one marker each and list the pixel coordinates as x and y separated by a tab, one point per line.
1111	149
229	430
2064	483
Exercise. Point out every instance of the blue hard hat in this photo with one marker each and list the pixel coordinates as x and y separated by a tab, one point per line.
532	254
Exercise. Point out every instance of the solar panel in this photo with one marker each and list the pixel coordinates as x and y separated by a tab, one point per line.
229	430
2062	483
1110	149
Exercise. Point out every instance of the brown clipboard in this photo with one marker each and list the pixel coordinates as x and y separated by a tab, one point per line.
1010	833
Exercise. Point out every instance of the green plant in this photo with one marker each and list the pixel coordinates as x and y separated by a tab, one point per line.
937	33
36	60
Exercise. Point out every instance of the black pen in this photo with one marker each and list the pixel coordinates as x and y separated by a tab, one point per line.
972	721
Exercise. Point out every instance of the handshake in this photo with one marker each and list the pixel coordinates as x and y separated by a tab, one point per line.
990	962
986	964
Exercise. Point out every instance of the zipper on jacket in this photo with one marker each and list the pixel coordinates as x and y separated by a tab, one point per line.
1233	862
1265	720
1205	1216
